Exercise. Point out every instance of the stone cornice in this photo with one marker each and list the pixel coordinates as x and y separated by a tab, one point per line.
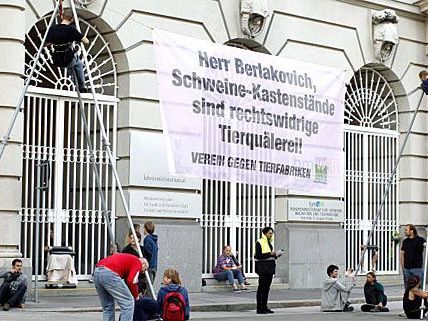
423	5
402	9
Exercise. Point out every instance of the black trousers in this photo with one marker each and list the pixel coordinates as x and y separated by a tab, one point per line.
145	309
13	299
265	281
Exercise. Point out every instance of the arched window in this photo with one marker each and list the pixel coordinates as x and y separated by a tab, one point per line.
371	138
102	66
370	101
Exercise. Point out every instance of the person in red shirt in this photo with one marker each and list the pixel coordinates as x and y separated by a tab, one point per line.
116	279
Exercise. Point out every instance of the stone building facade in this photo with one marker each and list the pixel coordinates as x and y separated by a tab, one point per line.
381	51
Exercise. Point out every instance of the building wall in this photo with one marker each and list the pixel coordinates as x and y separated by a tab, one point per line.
12	33
321	32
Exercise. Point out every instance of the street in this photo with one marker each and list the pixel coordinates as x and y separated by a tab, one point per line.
289	314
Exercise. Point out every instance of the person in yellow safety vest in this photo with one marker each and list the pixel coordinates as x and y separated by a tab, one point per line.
265	267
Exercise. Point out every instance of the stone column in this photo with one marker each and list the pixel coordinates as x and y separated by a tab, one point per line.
12	33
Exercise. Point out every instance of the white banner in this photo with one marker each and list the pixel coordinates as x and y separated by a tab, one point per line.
237	115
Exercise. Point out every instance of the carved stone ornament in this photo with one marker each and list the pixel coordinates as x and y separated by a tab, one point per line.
253	16
385	33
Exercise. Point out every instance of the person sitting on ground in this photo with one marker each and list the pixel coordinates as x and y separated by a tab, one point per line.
62	36
335	293
151	248
412	299
13	291
226	269
172	291
423	76
375	297
146	308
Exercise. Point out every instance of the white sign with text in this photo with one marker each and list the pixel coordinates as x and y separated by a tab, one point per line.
165	204
313	210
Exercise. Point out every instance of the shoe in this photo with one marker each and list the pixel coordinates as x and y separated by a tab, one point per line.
247	283
262	312
237	290
244	289
6	307
269	310
83	90
348	309
383	309
375	309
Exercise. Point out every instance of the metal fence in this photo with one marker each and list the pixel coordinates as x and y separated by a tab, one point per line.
234	214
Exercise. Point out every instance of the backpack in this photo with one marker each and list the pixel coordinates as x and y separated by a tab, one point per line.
174	307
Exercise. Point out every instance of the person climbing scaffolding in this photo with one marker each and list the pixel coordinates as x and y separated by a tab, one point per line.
62	36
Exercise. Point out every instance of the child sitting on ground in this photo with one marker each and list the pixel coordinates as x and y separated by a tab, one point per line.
172	297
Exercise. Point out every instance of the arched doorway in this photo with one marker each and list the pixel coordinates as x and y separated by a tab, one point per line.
70	212
371	147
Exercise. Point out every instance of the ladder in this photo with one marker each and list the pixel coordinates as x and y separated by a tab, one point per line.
5	139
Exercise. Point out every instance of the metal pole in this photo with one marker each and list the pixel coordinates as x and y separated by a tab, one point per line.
42	178
108	149
424	277
92	162
36	219
6	137
390	180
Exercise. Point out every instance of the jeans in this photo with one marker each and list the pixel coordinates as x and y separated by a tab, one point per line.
14	299
77	66
230	275
407	273
111	287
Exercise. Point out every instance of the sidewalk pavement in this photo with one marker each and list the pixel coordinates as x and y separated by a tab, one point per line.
210	302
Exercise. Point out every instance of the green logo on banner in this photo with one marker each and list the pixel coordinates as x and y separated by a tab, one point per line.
321	172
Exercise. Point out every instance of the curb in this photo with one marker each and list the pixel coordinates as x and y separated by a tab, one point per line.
217	307
220	307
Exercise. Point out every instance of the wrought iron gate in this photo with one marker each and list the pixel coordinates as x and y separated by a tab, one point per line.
234	214
371	142
70	211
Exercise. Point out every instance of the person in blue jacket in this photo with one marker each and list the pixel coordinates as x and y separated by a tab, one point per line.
172	283
150	245
423	75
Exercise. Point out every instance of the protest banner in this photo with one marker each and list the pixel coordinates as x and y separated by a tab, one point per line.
241	116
